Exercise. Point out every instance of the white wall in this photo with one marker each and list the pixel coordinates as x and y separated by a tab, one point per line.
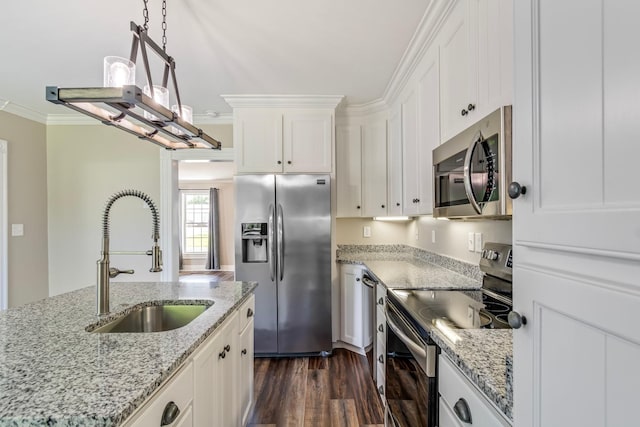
27	200
85	166
349	232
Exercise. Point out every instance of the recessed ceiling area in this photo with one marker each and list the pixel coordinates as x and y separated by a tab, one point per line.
330	47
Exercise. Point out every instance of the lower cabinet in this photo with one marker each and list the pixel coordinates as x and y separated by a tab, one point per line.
381	340
355	313
214	387
461	403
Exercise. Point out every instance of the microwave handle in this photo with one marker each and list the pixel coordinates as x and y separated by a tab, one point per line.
477	138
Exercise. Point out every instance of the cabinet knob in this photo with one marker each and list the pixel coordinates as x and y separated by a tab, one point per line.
381	328
170	413
357	279
464	112
380	301
381	359
289	162
515	190
471	107
279	162
461	408
357	207
397	204
417	200
227	348
222	355
381	390
249	312
382	206
516	321
244	351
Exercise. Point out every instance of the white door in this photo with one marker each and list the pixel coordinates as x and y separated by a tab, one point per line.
349	170
394	165
410	154
257	134
307	141
4	276
577	228
374	164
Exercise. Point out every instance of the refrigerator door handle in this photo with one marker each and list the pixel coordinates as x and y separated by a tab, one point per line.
280	225
272	244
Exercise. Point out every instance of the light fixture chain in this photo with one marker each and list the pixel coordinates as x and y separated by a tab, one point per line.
164	25
145	13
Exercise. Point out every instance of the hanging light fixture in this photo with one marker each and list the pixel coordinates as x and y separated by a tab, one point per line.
142	112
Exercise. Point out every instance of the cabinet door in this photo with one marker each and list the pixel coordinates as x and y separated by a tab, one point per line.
307	141
374	163
258	140
349	170
458	58
428	130
352	313
410	154
495	55
215	378
394	165
245	399
576	230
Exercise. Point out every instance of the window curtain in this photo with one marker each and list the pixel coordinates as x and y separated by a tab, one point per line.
180	231
213	256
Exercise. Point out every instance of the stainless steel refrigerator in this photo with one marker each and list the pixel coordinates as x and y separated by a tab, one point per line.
283	241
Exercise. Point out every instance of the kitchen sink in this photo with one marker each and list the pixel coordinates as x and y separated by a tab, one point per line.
155	318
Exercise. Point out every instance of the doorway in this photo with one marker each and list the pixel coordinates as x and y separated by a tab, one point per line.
206	217
4	274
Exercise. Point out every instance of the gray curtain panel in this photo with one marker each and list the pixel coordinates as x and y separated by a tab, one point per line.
213	255
180	250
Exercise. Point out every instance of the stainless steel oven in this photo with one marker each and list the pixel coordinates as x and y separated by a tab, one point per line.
472	170
410	374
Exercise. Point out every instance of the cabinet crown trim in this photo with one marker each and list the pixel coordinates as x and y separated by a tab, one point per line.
283	101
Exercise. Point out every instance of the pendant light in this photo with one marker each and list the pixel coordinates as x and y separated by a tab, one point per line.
142	112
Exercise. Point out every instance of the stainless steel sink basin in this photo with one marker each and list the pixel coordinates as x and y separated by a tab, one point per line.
155	318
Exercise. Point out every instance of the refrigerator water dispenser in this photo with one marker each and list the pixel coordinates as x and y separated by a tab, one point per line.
254	242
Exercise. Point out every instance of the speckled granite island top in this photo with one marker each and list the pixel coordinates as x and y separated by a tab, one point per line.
53	372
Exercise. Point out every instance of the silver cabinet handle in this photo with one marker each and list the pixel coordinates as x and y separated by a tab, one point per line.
516	321
468	189
170	413
280	227
381	390
461	408
381	328
272	244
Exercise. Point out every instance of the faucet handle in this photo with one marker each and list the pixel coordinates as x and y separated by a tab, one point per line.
113	272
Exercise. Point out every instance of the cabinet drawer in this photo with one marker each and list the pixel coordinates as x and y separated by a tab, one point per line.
178	390
246	313
453	386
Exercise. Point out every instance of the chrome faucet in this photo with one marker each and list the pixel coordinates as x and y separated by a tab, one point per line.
104	272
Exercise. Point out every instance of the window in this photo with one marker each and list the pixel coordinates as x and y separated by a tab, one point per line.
195	222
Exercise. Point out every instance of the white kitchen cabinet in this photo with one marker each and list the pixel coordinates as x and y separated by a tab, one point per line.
420	135
177	393
455	388
355	310
476	63
374	168
307	141
394	164
245	363
576	230
258	140
216	378
349	170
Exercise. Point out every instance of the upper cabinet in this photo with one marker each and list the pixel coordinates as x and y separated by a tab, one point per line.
374	168
394	164
280	134
349	170
475	63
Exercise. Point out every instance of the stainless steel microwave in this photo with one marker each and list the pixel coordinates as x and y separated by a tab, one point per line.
471	171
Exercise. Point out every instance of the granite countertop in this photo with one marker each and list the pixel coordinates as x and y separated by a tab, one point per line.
484	355
53	372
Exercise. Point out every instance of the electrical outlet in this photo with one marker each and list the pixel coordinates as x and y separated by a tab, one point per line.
366	231
17	230
479	242
471	242
433	236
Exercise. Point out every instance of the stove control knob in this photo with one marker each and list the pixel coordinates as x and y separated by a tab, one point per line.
494	255
516	321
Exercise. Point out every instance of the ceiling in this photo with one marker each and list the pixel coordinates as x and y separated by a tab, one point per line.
205	171
328	47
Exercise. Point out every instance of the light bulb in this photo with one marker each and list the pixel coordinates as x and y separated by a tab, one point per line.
160	95
118	72
186	114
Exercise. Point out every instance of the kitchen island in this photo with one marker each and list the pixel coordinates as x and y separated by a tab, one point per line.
483	355
54	372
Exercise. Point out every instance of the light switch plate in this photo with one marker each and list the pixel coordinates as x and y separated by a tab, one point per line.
17	230
433	236
366	231
479	242
471	242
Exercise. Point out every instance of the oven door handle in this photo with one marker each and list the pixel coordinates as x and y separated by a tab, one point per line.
413	344
468	188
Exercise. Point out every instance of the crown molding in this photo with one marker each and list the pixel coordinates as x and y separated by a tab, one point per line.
24	112
208	119
283	101
436	13
377	106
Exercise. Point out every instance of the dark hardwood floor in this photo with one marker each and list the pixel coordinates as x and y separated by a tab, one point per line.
334	391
